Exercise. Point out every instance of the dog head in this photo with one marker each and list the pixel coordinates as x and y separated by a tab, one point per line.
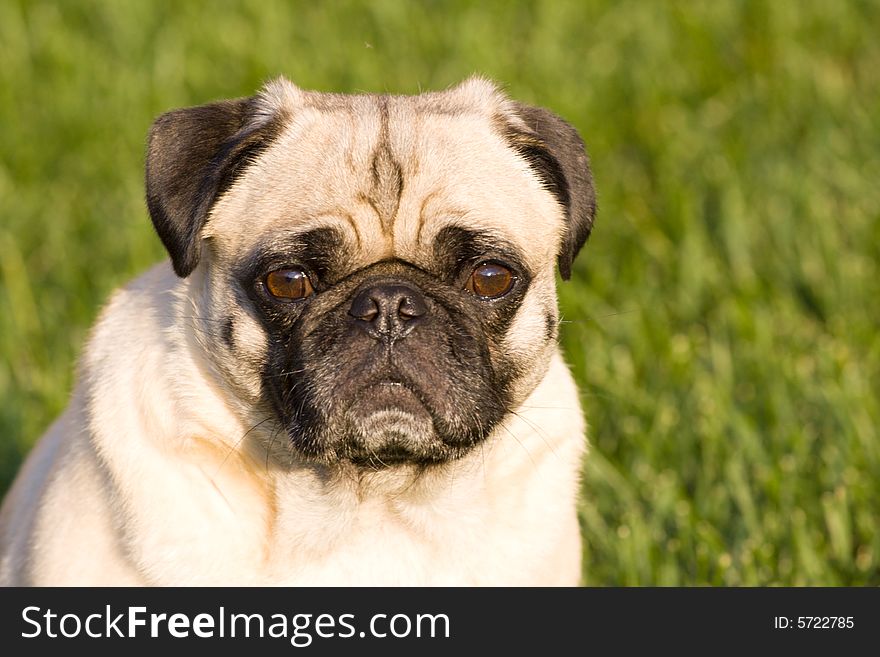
376	272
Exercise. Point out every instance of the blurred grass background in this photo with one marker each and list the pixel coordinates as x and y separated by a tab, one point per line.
722	322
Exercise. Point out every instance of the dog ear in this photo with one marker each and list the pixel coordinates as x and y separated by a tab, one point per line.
556	152
193	156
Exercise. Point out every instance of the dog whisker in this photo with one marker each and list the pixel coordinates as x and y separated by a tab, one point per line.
239	441
594	319
538	432
373	354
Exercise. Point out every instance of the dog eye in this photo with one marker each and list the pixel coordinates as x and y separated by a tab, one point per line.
290	284
490	280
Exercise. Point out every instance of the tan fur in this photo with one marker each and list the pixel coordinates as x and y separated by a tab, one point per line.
147	479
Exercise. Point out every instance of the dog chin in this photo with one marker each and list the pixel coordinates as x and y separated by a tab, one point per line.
383	424
378	436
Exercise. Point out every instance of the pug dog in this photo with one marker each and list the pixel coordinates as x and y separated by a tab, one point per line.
348	373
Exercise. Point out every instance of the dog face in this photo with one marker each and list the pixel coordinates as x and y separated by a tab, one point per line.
374	273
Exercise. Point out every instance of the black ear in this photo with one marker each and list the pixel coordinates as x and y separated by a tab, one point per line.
193	156
556	152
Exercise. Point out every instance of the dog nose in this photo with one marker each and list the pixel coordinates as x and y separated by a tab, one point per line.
388	311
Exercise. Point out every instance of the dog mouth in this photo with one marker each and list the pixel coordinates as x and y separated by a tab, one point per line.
389	394
426	396
387	422
389	415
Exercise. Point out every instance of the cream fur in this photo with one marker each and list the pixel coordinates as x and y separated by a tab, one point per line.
146	479
140	482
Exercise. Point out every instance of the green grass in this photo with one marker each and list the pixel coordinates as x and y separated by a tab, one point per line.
724	321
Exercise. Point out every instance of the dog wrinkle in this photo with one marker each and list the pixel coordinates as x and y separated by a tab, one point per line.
387	175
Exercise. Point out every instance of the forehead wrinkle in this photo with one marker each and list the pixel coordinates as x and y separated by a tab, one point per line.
476	180
452	216
405	139
366	243
446	161
386	183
